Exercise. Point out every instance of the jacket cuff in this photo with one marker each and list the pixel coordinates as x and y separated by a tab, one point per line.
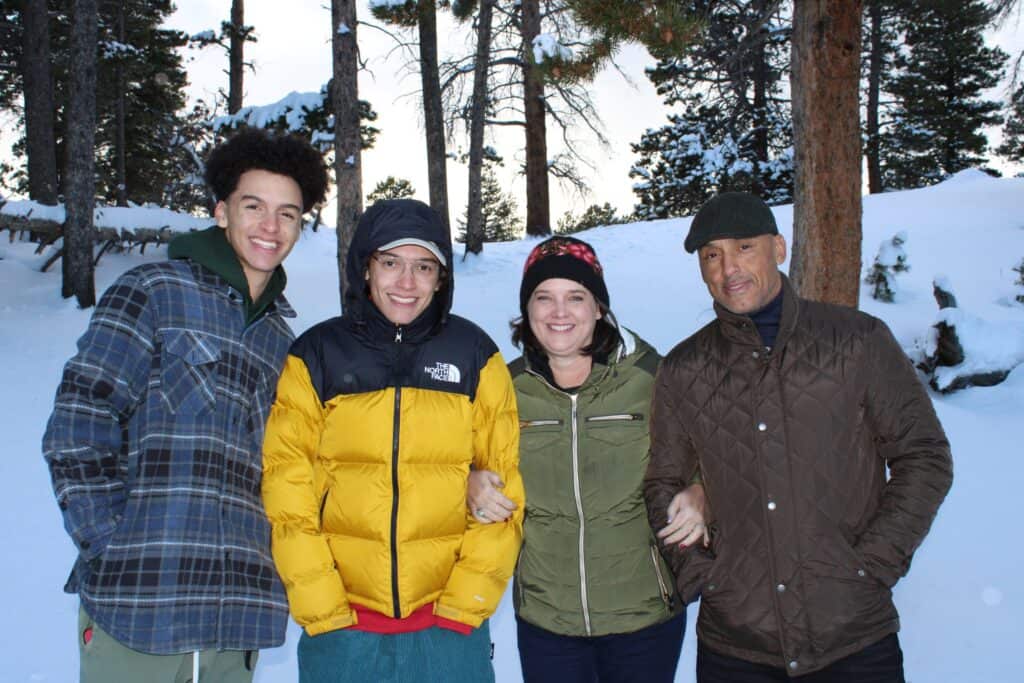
457	626
334	623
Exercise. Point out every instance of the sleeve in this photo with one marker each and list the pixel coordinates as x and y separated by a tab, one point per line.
291	496
100	388
673	465
916	451
489	551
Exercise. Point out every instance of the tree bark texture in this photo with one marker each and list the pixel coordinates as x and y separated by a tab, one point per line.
77	265
478	114
40	143
236	56
538	211
826	133
345	98
873	153
120	122
433	114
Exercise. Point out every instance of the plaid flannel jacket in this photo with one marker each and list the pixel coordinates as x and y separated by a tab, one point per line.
154	448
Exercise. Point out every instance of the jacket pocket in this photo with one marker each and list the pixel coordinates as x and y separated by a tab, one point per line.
188	372
617	429
535	435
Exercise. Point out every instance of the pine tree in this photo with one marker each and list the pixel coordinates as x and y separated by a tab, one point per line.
1012	146
733	131
391	188
141	122
935	126
593	216
501	221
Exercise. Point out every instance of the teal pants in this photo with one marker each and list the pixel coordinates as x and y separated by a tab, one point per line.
105	660
434	654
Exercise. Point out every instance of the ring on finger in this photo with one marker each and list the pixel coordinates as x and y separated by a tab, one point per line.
480	512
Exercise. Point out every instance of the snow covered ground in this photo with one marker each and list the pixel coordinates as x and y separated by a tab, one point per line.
962	604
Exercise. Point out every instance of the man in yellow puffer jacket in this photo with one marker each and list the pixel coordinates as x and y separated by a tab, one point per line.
379	416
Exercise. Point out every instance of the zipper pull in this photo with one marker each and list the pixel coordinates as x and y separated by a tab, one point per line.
398	335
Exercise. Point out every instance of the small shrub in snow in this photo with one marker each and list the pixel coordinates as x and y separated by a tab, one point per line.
891	259
1020	281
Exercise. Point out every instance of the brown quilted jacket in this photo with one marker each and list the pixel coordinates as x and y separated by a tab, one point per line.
808	535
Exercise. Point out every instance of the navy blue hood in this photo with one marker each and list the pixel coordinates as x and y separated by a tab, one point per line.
384	222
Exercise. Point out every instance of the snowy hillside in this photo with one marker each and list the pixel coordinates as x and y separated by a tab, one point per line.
962	605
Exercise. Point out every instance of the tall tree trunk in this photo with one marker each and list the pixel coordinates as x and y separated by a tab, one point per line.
873	153
345	98
120	118
478	115
433	115
826	134
538	211
79	232
40	144
236	58
760	83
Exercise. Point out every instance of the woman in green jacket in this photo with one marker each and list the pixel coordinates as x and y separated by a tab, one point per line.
594	599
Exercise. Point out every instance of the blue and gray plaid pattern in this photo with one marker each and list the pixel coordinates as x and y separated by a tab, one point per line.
154	447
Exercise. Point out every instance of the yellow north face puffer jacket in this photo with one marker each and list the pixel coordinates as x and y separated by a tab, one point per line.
366	455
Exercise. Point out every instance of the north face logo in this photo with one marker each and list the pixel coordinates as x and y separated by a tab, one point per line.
444	372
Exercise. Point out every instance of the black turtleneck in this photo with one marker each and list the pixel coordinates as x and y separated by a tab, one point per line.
767	320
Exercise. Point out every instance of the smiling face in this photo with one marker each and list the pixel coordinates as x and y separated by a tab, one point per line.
402	282
742	275
562	315
261	220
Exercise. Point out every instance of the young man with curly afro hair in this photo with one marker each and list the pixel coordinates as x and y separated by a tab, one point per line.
154	444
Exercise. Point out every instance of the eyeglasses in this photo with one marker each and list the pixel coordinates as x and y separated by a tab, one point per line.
422	269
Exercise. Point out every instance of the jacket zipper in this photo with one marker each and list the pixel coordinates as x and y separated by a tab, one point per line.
620	417
579	512
523	424
662	586
396	602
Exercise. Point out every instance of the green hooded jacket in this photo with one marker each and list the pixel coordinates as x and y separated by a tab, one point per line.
590	564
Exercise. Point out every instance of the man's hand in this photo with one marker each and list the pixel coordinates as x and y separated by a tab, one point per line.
686	518
485	499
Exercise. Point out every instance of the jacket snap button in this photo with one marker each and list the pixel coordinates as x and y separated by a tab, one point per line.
781	588
794	664
761	426
771	505
755	354
861	573
711	586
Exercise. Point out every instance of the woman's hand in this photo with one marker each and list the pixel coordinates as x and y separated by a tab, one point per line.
686	518
485	499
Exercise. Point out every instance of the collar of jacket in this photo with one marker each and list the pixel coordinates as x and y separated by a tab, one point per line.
211	249
740	329
368	317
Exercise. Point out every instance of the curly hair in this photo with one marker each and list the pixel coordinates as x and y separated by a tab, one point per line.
254	148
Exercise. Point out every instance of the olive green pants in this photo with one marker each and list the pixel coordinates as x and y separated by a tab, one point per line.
105	660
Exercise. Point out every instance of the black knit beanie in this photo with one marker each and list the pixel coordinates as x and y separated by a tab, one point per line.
567	258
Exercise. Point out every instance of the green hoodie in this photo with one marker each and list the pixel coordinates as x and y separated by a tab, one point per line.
210	248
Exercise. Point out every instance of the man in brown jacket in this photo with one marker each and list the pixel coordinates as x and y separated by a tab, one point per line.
792	411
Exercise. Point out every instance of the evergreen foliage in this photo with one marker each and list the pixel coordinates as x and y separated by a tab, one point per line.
891	260
501	221
391	188
734	130
934	127
1012	146
160	136
593	216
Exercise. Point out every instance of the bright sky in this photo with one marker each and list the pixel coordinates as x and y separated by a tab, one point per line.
293	53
